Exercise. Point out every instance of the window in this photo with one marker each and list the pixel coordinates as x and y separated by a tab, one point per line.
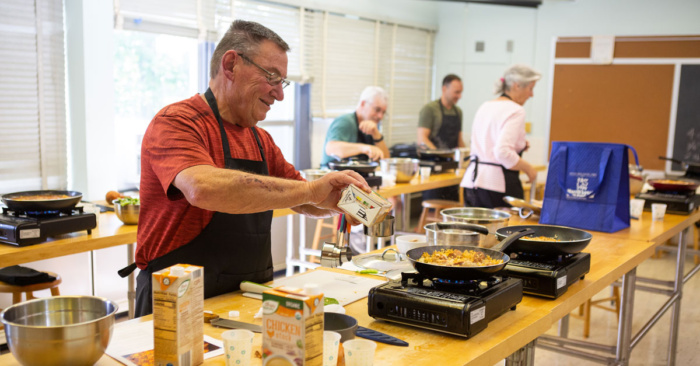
33	154
150	71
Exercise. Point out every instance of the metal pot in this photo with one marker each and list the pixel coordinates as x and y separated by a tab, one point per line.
404	169
454	233
492	219
313	174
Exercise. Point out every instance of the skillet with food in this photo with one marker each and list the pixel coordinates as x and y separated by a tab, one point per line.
359	166
672	185
41	200
489	261
435	153
547	239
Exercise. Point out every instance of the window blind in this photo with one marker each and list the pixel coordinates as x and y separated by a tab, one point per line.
33	154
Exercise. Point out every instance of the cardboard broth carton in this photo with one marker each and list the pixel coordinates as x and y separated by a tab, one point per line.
178	311
293	327
368	208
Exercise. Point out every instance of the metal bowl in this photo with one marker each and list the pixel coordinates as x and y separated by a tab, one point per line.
129	214
403	168
59	330
313	174
492	219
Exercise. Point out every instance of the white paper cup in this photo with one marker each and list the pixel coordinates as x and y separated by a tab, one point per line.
408	242
658	210
359	352
636	208
238	345
424	172
331	343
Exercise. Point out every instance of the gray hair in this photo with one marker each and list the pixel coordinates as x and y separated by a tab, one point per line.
372	92
516	74
244	37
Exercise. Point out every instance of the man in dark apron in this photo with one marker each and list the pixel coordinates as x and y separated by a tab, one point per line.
210	179
356	134
440	128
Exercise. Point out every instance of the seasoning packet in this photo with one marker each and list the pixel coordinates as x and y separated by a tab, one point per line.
368	208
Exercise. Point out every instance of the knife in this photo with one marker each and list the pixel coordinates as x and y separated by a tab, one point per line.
379	337
232	324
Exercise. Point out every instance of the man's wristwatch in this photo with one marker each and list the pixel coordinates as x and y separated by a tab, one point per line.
380	139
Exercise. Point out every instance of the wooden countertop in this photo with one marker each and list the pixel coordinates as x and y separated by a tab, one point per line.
612	255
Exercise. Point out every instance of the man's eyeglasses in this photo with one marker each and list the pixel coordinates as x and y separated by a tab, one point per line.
272	78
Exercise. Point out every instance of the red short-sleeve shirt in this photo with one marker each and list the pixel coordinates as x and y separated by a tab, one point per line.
180	136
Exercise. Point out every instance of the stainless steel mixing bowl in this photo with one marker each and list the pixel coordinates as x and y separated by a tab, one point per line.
129	214
403	168
59	330
492	219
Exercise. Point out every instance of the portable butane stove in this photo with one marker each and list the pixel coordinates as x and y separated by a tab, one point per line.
547	276
463	308
26	228
677	202
372	180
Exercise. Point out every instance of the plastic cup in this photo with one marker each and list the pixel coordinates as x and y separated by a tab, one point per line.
238	345
408	242
424	172
658	210
636	208
331	343
92	208
359	352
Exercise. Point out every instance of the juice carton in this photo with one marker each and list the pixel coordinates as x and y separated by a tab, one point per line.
368	208
293	327
178	311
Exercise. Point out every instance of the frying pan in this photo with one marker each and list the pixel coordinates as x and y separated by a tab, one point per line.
684	164
463	273
356	165
682	185
441	153
12	203
571	241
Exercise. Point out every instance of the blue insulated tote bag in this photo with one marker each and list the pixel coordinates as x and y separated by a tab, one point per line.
588	186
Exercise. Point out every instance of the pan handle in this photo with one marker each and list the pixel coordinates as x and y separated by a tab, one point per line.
512	238
671	159
460	225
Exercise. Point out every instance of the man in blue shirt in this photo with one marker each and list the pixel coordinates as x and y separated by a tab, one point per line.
357	133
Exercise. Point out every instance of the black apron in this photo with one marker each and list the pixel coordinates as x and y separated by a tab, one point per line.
448	134
231	248
479	197
446	138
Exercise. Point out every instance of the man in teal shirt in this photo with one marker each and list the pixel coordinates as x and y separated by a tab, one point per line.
357	133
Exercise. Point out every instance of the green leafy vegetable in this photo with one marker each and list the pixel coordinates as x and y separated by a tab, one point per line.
330	301
127	201
368	271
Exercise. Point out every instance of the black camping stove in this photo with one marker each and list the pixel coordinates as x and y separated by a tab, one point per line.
677	202
463	308
374	181
548	276
32	227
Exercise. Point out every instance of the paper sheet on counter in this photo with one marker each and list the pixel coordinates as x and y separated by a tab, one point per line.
345	288
132	344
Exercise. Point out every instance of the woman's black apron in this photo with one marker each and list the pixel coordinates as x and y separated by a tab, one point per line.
446	138
479	197
231	248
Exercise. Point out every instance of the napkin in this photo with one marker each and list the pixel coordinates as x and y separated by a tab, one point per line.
22	276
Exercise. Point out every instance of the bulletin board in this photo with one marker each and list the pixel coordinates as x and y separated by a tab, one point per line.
635	100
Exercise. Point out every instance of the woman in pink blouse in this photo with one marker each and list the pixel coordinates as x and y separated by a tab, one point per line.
498	140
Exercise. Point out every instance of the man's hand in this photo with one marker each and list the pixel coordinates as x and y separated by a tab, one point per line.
373	152
326	190
369	127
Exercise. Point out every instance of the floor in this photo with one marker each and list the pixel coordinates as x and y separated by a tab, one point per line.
652	349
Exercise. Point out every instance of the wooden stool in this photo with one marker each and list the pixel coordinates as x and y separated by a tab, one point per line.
431	212
584	310
320	225
29	289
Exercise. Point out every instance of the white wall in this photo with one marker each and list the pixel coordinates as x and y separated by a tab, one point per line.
536	29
